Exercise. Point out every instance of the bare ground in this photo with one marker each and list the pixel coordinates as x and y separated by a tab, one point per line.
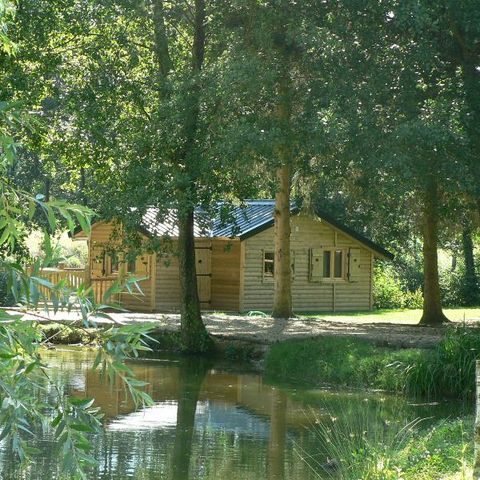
266	330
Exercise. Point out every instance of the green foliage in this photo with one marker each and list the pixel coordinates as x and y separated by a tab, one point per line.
448	370
24	376
455	290
389	292
366	450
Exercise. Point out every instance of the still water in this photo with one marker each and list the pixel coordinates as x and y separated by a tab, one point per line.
211	421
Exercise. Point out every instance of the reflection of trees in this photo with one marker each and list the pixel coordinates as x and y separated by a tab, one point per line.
278	431
192	372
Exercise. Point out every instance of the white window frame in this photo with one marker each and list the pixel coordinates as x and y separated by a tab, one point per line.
332	277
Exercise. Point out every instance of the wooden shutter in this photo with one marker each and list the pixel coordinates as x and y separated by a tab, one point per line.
354	267
316	264
97	261
203	258
142	266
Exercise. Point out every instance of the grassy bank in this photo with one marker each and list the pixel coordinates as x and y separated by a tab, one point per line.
446	371
412	452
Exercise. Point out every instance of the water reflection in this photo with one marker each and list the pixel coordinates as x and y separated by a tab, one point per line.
191	374
207	423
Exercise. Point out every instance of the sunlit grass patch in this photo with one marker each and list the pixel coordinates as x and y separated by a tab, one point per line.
448	370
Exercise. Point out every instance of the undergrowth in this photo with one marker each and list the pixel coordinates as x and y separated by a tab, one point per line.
448	370
365	450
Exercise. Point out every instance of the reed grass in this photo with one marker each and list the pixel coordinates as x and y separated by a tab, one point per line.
368	448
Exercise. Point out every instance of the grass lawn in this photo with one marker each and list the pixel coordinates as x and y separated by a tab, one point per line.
394	316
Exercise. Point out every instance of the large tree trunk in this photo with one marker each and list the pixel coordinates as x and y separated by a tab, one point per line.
278	433
432	305
282	304
194	335
282	300
192	372
470	285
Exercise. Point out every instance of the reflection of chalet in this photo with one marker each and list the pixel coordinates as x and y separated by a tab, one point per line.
332	265
219	391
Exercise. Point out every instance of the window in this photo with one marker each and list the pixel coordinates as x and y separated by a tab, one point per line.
131	266
338	264
114	263
333	264
268	264
327	264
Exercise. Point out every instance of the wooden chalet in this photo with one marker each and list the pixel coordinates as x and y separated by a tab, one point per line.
332	265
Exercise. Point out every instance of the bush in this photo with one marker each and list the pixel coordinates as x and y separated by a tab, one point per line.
413	299
450	287
389	292
371	449
455	290
448	370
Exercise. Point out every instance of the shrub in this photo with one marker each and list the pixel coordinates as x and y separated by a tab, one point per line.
451	285
371	449
389	292
448	370
413	299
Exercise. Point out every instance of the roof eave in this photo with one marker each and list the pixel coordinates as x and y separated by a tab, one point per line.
264	226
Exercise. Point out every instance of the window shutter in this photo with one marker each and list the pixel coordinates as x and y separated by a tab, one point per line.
316	264
141	266
97	261
354	268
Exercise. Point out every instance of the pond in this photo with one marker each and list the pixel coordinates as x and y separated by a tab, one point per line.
212	421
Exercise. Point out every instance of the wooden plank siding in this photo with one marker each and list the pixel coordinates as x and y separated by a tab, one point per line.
327	295
226	275
167	284
224	280
232	271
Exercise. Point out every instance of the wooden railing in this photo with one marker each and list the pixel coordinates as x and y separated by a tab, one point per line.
100	286
74	278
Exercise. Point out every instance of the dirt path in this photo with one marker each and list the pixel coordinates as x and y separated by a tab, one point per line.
265	330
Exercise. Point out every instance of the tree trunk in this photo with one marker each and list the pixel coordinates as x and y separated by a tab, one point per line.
282	304
471	290
191	375
432	305
282	299
278	433
193	333
194	336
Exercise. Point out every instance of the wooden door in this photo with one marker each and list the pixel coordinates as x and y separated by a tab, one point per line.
203	258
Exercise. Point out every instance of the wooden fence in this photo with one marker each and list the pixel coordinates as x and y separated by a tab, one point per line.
74	278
